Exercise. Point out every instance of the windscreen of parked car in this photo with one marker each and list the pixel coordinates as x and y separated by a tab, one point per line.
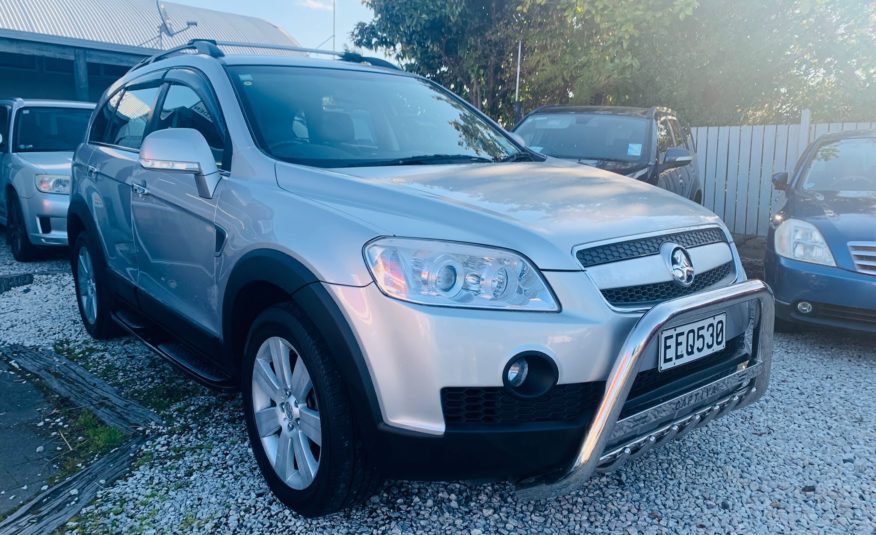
343	118
848	165
587	136
44	129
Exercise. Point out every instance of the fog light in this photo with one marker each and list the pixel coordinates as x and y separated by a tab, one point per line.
530	374
517	372
804	307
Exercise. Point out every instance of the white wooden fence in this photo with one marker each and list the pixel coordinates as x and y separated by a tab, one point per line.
737	162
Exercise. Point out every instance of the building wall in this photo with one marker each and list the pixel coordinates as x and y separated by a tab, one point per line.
29	76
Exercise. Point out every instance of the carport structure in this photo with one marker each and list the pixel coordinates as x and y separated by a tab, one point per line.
63	49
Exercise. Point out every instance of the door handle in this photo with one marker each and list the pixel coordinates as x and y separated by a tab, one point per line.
91	171
140	189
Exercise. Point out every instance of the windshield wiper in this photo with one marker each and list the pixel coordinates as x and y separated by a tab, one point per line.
430	159
519	157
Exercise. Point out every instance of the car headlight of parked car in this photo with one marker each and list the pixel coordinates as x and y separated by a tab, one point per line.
800	240
451	274
59	184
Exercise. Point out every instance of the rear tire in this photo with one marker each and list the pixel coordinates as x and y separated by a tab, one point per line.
93	296
299	418
16	232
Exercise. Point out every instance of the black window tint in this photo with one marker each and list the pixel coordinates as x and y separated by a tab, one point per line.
4	126
183	108
102	118
128	124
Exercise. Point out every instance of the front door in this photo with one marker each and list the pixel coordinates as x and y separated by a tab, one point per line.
174	230
669	179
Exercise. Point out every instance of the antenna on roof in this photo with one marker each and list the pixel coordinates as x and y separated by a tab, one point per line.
165	27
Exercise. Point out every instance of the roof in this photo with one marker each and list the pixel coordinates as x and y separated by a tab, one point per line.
128	25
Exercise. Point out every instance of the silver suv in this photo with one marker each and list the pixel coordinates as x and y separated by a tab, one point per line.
399	289
37	140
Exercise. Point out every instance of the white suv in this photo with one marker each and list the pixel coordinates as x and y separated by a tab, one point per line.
400	289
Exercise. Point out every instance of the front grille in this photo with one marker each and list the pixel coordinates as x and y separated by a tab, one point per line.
495	406
864	256
651	294
840	313
616	252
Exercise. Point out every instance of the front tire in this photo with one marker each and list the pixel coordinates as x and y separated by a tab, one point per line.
16	232
299	418
93	295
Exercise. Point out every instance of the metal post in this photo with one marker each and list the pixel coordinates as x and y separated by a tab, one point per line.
805	121
80	74
334	31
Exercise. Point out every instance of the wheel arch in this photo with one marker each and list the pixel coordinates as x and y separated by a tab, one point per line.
266	277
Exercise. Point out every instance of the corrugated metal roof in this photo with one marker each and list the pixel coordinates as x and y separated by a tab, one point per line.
133	22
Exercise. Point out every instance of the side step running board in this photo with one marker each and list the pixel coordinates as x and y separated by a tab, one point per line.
189	361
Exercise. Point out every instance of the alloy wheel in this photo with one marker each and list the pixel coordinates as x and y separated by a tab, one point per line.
87	285
286	413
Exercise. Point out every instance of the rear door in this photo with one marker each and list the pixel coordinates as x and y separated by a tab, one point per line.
114	143
174	229
5	116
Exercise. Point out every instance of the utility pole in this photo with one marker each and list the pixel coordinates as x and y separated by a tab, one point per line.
334	31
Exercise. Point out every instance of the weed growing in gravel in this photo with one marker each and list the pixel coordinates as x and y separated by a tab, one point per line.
89	438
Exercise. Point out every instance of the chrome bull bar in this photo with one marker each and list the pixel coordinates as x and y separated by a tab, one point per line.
744	386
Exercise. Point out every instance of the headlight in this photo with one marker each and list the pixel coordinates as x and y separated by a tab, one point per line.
800	240
457	275
59	184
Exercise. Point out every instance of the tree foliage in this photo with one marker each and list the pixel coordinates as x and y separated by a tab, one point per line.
714	61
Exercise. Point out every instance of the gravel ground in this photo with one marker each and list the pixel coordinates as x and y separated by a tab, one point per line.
803	459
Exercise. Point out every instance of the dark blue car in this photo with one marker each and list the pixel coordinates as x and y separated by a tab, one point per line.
821	248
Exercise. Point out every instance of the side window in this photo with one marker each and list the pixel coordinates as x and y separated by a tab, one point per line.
127	125
664	136
680	140
183	108
102	118
4	127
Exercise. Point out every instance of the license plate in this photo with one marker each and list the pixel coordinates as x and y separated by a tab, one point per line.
692	341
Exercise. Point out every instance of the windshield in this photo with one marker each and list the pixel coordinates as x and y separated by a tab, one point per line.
41	129
848	165
586	136
341	118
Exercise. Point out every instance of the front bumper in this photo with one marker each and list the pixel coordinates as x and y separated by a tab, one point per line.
840	298
674	417
45	217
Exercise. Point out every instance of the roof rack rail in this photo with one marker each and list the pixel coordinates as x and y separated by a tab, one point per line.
210	47
201	46
352	57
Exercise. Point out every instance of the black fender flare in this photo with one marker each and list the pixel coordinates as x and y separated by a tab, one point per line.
319	308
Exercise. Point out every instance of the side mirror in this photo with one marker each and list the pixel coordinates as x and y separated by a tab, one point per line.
518	138
676	157
780	181
182	150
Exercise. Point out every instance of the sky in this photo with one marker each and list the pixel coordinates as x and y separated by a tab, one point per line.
308	21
